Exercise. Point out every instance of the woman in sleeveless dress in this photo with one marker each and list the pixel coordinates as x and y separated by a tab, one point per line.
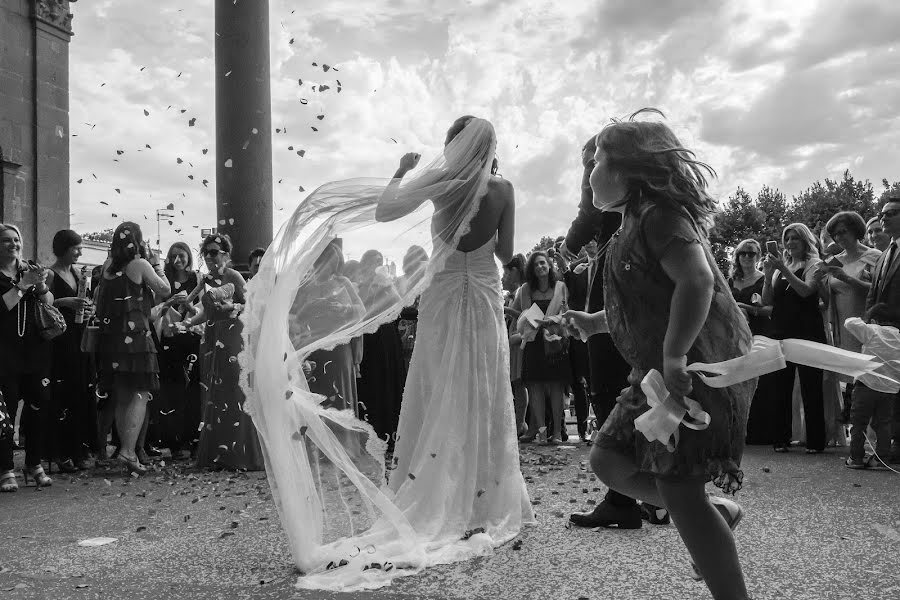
227	436
746	283
74	414
178	406
792	288
126	354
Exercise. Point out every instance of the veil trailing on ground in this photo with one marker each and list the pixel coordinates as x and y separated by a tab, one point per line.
326	467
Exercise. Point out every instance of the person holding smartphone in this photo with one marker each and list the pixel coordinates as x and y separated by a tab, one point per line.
791	287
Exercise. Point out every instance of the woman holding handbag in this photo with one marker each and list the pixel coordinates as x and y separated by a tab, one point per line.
546	370
24	358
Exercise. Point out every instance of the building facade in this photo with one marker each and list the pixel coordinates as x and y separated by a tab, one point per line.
34	120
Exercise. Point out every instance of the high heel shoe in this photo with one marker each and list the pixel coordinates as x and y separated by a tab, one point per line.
132	465
40	478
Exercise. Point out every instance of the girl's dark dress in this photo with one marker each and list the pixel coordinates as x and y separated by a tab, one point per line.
759	424
794	316
177	412
126	353
228	437
638	294
73	418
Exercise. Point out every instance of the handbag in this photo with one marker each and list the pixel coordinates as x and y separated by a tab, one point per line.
90	337
49	321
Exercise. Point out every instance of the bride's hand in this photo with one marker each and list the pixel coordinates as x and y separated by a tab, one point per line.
408	162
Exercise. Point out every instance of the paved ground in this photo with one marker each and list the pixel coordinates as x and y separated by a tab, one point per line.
813	529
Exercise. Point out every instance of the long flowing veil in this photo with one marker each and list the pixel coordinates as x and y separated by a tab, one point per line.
326	467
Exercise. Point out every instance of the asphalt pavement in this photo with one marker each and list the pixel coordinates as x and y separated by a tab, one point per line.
813	530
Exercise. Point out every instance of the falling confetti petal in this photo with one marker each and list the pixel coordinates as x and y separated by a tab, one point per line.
192	122
228	164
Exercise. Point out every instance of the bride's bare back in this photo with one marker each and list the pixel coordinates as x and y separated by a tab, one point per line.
496	214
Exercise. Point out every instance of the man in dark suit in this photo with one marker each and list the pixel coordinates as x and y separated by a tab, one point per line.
883	301
608	370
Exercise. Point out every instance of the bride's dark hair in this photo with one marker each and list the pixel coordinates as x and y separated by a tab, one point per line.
457	127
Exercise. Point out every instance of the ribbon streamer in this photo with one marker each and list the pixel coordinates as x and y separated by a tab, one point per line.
662	421
768	355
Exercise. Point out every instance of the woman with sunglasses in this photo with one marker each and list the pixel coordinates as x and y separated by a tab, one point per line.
746	283
227	435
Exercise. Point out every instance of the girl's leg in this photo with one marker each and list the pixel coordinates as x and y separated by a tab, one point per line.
557	393
520	402
620	473
131	407
707	536
537	400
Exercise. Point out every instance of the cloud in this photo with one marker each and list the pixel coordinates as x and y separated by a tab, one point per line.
767	92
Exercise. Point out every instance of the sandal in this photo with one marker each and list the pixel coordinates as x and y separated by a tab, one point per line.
37	474
8	482
781	448
814	451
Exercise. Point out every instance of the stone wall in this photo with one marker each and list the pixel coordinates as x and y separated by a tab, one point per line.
34	120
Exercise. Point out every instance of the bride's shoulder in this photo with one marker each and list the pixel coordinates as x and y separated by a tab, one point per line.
500	187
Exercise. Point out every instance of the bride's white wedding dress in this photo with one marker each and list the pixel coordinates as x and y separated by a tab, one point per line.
454	488
457	457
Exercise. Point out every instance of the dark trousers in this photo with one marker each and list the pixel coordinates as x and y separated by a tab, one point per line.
877	408
34	389
581	377
813	405
608	377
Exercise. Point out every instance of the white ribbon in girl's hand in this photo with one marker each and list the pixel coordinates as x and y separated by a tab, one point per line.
662	421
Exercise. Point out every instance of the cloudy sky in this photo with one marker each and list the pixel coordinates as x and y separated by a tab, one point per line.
767	92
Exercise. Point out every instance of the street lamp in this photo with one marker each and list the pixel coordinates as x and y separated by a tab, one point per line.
163	214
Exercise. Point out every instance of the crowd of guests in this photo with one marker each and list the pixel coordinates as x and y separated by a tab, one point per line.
137	356
804	286
148	356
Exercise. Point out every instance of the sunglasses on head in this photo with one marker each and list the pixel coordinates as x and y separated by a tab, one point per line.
212	252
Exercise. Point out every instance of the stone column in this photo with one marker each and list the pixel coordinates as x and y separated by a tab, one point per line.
243	125
50	207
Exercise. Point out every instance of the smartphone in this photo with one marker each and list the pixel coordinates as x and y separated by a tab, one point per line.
772	247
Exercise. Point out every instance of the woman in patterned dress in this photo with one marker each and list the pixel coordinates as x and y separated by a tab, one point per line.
227	436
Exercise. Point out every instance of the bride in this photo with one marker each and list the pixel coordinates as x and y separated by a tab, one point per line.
453	488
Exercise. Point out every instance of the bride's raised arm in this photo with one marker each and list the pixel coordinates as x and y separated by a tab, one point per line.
389	207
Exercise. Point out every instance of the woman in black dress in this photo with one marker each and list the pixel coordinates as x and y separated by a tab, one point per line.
746	283
381	381
24	359
73	417
177	412
791	287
